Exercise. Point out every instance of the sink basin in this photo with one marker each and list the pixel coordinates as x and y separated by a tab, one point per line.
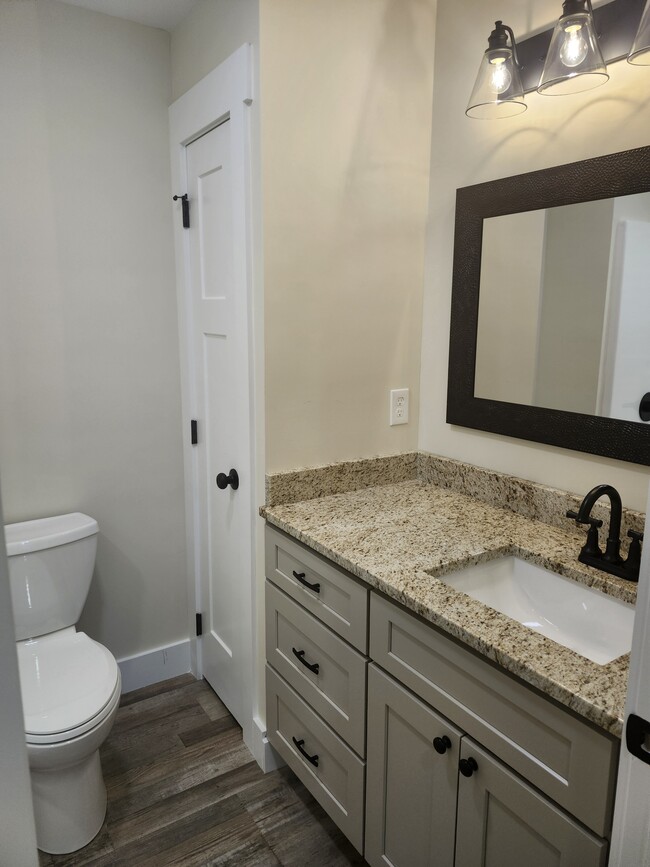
583	619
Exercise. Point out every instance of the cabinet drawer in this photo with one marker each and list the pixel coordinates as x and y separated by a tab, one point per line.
337	781
503	821
296	644
566	758
337	599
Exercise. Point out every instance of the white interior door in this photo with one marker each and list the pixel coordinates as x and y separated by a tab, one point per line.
631	833
218	346
625	370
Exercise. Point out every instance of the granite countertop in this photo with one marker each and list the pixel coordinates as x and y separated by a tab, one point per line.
399	537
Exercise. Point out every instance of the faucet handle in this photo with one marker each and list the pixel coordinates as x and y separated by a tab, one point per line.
633	562
591	548
595	522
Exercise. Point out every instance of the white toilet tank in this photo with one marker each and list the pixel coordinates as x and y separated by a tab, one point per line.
51	562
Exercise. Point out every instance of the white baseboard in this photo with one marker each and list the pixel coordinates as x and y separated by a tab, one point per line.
153	666
263	753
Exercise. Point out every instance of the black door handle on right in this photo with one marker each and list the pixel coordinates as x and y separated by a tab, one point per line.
231	479
637	732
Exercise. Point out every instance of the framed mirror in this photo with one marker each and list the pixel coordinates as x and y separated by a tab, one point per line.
550	322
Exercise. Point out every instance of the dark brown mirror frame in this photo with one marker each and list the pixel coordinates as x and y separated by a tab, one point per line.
605	177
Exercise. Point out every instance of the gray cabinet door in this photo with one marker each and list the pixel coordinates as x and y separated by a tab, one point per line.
411	788
503	822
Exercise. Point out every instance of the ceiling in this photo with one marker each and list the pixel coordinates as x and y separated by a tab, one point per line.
155	13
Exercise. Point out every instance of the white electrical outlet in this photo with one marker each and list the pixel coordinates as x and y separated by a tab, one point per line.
399	406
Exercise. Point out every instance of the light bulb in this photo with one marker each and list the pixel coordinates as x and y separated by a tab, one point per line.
500	76
574	47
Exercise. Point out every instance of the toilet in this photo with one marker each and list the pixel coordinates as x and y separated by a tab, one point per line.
70	684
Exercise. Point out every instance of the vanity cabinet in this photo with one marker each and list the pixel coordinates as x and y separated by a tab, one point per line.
570	761
380	714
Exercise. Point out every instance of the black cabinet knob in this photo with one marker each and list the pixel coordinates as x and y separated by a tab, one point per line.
231	479
441	745
467	766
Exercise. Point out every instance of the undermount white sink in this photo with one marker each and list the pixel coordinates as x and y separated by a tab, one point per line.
583	619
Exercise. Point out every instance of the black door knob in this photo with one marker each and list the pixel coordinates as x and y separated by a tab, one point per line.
231	479
644	407
467	766
441	745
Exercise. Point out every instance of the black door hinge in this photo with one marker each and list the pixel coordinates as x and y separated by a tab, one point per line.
185	204
194	432
199	624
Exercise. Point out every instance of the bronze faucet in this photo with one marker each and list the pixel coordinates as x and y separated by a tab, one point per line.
610	560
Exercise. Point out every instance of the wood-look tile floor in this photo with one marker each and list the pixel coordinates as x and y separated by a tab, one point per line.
183	789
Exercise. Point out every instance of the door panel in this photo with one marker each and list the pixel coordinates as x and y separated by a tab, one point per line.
503	822
411	788
219	364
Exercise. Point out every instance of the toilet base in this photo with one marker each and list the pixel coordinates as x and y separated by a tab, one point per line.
69	805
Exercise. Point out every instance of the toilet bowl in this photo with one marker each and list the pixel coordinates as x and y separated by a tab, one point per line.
70	684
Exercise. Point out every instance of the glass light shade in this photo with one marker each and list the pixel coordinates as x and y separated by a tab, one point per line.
574	61
498	91
640	51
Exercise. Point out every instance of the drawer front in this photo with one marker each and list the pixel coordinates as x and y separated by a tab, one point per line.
567	759
336	598
321	667
298	734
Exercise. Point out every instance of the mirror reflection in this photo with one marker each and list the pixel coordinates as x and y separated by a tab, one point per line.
564	307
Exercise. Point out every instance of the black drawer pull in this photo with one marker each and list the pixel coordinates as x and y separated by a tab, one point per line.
312	759
300	576
467	766
300	656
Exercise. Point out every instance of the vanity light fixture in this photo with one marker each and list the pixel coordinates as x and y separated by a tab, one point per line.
640	51
498	91
574	61
567	58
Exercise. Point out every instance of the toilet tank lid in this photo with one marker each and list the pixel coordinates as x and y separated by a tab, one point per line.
28	536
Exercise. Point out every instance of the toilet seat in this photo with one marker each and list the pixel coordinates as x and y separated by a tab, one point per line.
70	734
69	684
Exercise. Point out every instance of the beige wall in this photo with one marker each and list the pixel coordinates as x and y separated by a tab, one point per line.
346	108
212	31
89	373
554	130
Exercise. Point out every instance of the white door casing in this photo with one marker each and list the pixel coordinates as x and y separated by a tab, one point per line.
631	832
227	435
625	358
